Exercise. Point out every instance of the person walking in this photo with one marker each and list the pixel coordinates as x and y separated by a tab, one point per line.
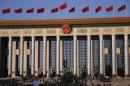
35	83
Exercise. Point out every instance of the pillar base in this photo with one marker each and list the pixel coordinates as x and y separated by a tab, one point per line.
24	73
101	74
127	75
89	75
21	75
61	72
78	75
13	74
36	73
75	74
114	75
47	74
9	75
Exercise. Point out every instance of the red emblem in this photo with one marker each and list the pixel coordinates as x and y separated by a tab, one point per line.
66	29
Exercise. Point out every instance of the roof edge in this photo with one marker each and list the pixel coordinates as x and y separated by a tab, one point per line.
115	20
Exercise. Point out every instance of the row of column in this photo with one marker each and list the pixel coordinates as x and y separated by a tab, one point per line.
59	55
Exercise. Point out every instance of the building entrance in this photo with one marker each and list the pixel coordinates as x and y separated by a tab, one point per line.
3	57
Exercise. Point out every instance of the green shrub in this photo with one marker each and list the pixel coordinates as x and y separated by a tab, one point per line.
102	78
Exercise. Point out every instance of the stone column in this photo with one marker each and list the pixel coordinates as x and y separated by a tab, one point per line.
89	54
14	59
33	55
126	56
78	71
36	57
9	56
61	57
113	56
47	59
0	54
21	55
25	59
75	55
101	54
44	55
91	57
58	55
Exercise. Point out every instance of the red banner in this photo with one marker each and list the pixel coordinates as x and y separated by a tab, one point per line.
109	9
123	7
41	10
85	9
63	6
30	10
54	10
72	10
5	11
18	10
98	9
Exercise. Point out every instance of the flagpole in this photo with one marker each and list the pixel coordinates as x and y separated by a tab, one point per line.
58	10
89	13
34	13
44	17
67	10
33	16
10	14
113	11
101	12
126	9
75	12
101	9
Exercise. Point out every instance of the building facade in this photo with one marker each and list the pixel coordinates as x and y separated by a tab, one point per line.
45	49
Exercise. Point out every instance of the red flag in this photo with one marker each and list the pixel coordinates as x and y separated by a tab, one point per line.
54	10
108	9
41	10
18	10
123	7
72	10
30	10
63	6
85	9
5	11
99	8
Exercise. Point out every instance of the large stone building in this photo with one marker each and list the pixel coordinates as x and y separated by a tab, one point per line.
71	45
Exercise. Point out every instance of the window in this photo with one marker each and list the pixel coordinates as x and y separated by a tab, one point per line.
96	56
29	64
52	54
129	51
41	56
108	57
120	56
18	65
68	54
82	53
29	58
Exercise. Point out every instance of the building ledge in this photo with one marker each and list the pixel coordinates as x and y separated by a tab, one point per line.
115	20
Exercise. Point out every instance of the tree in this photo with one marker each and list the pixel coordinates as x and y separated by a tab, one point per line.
52	74
84	73
101	77
96	72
